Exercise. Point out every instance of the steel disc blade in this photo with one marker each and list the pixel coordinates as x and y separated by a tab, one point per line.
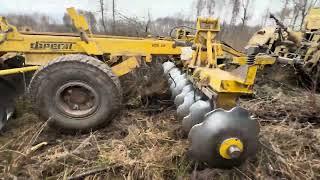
167	66
179	98
177	84
173	80
183	109
173	73
219	124
197	113
178	89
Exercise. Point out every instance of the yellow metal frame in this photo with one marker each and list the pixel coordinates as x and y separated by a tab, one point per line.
183	34
41	48
7	72
259	60
79	21
127	66
312	19
206	66
207	29
209	60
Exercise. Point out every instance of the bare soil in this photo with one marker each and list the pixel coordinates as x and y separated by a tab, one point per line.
146	143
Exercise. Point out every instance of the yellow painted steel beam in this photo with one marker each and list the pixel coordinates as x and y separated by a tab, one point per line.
54	44
69	44
212	58
78	20
126	66
213	79
226	82
259	60
41	48
7	72
60	45
232	51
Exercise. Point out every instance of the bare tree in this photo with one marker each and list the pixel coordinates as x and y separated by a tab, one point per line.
148	23
306	6
301	10
113	16
200	4
67	23
235	11
265	17
295	15
285	10
245	11
102	12
210	5
92	21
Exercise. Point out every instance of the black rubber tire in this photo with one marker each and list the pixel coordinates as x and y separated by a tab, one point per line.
7	95
3	117
76	68
6	113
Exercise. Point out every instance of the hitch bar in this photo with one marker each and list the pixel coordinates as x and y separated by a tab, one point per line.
7	72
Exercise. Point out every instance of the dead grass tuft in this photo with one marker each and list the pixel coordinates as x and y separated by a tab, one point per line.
147	151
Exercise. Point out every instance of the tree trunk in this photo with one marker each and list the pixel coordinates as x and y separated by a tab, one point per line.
113	17
102	16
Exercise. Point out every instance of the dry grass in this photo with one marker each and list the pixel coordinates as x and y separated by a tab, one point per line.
135	145
142	145
150	150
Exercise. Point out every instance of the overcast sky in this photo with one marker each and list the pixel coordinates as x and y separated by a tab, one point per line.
137	8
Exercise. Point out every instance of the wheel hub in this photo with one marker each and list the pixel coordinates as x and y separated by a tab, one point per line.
77	99
231	148
78	95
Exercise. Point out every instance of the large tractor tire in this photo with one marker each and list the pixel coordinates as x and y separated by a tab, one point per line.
76	92
6	112
7	96
3	117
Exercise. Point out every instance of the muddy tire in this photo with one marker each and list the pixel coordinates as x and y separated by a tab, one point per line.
7	96
76	92
3	117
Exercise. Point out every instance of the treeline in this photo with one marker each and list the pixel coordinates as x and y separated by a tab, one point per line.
36	22
125	26
132	27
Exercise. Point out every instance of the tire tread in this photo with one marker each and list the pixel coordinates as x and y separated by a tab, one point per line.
41	73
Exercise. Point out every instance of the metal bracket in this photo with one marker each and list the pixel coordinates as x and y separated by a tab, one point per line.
79	21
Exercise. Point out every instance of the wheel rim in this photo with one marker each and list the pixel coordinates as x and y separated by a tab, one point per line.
77	99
